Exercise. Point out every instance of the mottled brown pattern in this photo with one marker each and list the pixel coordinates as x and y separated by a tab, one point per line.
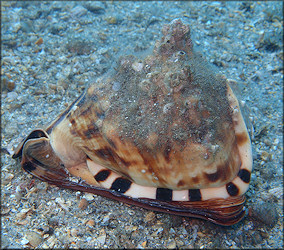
221	173
106	153
111	143
181	183
126	163
92	131
195	179
86	111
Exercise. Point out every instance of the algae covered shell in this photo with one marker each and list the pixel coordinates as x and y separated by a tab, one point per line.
163	132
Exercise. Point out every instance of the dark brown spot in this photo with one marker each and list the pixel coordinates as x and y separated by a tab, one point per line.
121	185
92	131
180	183
86	111
102	175
147	162
215	176
167	152
244	175
194	195
106	154
72	121
124	162
242	138
195	179
73	132
111	143
222	173
232	189
205	114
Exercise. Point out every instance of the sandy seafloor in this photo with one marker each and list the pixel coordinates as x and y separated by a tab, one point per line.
80	42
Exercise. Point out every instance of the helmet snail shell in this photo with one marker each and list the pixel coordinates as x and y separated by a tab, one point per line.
168	137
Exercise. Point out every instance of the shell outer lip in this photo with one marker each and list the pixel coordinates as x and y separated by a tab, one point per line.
226	211
223	212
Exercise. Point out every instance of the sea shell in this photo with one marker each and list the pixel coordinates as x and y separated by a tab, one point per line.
163	132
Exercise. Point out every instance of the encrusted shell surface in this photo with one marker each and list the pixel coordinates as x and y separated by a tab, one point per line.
164	127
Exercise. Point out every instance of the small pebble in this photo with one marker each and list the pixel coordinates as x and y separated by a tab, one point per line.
143	244
105	221
74	232
4	210
171	245
11	96
90	223
83	204
78	11
24	241
101	239
23	213
89	197
7	177
265	155
39	41
34	238
265	212
53	221
150	216
10	85
95	7
111	20
137	66
116	86
256	238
